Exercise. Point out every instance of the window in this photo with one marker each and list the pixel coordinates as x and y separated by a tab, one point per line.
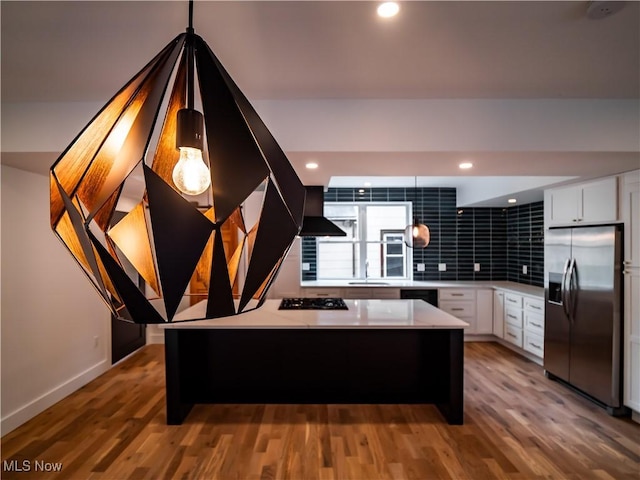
373	247
393	253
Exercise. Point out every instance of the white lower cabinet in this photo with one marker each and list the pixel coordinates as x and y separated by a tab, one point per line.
474	306
534	326
498	313
391	293
319	292
484	311
356	293
513	335
523	317
534	323
533	343
513	325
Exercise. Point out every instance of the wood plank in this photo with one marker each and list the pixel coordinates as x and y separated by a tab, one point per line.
518	425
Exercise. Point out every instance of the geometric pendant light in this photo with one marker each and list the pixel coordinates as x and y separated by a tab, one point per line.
148	198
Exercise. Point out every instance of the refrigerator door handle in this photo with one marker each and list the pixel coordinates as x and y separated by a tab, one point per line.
563	289
570	299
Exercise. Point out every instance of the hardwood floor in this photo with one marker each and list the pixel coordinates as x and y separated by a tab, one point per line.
518	425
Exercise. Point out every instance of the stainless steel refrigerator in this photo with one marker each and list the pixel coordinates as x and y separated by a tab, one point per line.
583	315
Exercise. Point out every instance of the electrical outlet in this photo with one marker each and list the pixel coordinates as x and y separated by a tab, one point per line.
442	267
306	266
96	341
524	269
476	267
420	267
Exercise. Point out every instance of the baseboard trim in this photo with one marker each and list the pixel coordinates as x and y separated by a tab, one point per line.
25	413
155	338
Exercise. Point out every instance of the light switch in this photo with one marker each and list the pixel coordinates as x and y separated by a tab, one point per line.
420	267
442	267
476	267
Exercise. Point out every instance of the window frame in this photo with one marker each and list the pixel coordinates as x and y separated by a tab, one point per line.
361	244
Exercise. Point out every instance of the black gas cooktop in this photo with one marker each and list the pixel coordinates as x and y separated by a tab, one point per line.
313	304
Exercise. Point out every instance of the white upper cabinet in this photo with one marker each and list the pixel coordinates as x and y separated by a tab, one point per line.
631	217
592	202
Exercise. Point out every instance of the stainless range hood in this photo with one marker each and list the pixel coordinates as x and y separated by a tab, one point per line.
314	223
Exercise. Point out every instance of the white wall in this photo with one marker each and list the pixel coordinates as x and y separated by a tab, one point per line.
50	314
564	125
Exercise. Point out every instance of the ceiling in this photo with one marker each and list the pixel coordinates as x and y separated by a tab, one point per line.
83	51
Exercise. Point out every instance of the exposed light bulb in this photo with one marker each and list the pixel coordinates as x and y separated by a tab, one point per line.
416	231
191	174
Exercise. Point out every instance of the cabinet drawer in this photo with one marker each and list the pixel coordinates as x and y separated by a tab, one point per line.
458	309
513	300
513	335
513	316
386	293
533	343
535	305
357	293
455	294
321	292
534	323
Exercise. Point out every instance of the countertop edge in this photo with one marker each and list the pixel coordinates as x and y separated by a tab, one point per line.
520	288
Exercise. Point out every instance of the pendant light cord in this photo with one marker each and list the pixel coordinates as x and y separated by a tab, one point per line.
190	27
190	80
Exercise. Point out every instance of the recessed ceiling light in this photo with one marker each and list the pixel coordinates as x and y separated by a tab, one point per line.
311	165
512	200
388	9
465	165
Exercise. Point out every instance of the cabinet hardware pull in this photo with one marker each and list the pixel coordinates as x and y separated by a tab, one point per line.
457	294
511	335
457	309
627	262
512	300
536	325
535	346
512	316
535	307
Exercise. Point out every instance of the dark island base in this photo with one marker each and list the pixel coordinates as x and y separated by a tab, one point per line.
314	366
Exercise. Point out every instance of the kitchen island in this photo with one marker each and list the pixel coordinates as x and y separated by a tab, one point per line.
377	351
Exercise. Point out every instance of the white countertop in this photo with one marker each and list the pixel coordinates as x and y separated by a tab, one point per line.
401	314
520	288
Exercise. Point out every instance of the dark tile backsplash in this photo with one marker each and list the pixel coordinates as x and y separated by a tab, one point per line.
501	240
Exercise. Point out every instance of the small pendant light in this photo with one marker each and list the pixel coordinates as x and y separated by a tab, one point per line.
416	235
